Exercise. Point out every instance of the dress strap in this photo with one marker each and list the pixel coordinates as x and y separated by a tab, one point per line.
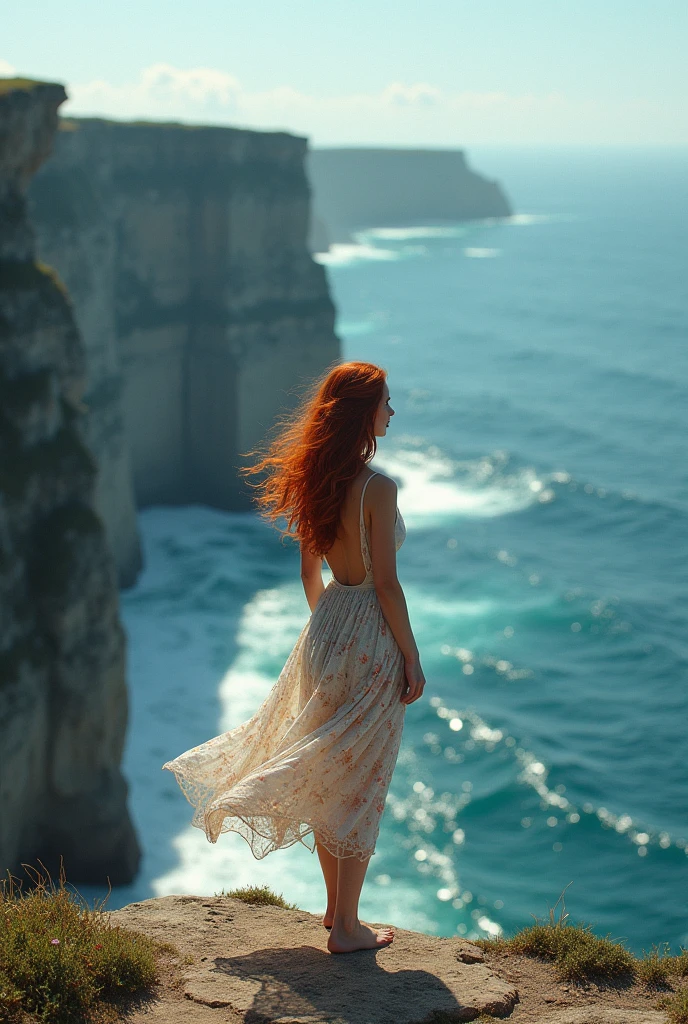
364	540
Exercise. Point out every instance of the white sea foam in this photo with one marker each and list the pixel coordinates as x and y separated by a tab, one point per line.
432	486
526	219
364	248
355	328
406	234
268	627
342	254
205	869
481	254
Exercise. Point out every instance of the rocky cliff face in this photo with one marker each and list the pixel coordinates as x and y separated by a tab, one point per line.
185	251
360	188
63	702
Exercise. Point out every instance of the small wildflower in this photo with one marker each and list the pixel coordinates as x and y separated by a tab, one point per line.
99	945
54	942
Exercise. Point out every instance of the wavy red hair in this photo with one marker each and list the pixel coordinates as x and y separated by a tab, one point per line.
317	451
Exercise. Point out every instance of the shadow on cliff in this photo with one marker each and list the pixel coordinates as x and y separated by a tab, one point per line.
350	989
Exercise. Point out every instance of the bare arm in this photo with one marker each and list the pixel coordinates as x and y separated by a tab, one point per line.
390	594
311	577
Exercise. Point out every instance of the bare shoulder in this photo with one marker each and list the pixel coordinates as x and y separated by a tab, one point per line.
382	489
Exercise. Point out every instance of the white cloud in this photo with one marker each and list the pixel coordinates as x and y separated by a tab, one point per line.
415	113
6	69
161	90
421	94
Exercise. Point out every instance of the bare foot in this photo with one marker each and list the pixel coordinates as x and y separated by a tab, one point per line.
361	937
328	918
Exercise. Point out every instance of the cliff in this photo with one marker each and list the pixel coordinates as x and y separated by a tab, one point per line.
363	188
252	963
265	963
185	251
63	701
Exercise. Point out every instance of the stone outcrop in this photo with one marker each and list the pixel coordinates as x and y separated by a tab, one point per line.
63	700
244	964
251	963
185	251
362	188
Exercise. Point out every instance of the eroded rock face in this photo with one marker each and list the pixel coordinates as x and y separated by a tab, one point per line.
363	187
185	251
63	700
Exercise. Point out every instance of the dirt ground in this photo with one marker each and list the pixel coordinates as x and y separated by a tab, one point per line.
545	999
261	964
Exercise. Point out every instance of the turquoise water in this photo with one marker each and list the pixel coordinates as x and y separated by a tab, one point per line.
539	372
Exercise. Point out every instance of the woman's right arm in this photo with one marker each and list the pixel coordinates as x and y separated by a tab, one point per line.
383	508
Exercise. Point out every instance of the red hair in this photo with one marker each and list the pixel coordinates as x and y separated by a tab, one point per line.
317	451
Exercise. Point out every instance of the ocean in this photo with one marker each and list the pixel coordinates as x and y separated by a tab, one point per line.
538	367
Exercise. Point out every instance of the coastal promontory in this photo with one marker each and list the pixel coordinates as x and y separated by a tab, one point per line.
63	698
184	249
363	187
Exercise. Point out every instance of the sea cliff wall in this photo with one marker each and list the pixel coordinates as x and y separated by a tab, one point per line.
63	700
366	187
185	251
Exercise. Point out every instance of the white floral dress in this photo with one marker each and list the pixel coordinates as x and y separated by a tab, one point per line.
318	754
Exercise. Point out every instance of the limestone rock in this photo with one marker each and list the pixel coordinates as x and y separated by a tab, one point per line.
184	249
364	187
603	1015
63	700
272	965
470	954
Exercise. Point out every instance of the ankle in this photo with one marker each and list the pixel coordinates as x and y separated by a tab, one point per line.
346	922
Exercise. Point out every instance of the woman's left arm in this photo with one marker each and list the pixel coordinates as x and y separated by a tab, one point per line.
311	577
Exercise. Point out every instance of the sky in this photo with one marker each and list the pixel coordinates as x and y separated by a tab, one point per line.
436	73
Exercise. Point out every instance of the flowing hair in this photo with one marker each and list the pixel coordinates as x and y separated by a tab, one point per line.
317	450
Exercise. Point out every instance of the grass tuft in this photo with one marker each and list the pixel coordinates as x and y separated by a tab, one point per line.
656	966
579	954
259	895
675	1006
8	85
678	965
62	961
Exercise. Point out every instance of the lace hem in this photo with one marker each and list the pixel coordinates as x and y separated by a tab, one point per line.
276	831
325	837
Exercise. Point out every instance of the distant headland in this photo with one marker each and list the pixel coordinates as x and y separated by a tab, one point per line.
366	187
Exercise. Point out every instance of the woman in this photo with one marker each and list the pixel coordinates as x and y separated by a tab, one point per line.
318	755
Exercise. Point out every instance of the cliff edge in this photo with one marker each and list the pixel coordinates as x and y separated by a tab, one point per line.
248	963
63	700
358	188
185	251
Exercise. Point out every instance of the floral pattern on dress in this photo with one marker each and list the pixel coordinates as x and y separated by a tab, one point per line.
318	754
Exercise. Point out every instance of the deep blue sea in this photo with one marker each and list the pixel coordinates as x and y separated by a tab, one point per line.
539	371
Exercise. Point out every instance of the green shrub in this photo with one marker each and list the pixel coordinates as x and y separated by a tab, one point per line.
678	965
18	84
259	895
656	966
676	1006
577	952
63	961
580	955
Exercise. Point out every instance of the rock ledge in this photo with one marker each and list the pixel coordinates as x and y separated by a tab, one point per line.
272	965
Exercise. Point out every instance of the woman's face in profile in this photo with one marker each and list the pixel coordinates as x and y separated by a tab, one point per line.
384	413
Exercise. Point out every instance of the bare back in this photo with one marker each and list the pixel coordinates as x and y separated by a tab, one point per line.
344	557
